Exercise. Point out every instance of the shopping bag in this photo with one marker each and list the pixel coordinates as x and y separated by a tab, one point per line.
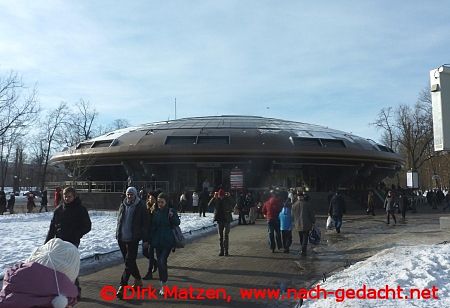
330	223
314	235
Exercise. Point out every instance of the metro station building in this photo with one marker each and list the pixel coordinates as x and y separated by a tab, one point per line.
184	154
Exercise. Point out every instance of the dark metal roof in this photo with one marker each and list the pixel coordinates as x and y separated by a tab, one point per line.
230	135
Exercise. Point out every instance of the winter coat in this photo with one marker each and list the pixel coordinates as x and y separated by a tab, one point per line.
389	204
303	215
70	222
33	285
337	206
162	235
271	208
11	201
222	209
286	217
139	229
44	200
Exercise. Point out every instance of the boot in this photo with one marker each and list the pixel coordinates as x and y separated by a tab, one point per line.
148	276
119	293
161	290
137	283
221	249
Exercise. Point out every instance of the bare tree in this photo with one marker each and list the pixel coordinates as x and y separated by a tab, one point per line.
120	123
51	126
16	109
385	122
78	127
8	141
408	130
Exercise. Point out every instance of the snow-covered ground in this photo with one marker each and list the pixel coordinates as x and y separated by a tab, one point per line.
22	233
420	267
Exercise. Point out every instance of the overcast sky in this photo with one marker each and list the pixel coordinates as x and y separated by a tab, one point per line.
332	63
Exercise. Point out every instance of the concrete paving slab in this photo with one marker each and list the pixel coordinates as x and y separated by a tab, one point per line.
252	265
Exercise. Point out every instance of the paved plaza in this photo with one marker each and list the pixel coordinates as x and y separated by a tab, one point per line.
252	265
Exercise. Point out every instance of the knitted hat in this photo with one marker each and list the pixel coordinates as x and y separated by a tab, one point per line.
132	190
58	255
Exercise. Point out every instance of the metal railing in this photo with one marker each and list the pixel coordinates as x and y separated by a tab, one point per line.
109	186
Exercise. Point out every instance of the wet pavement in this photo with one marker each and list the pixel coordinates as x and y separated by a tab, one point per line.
252	264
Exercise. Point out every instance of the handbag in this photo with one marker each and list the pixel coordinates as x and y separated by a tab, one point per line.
179	237
180	241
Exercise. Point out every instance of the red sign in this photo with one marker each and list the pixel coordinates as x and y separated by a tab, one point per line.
236	178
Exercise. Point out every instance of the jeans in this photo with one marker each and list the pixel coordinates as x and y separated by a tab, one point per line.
223	229
337	223
286	236
303	240
129	252
162	254
274	233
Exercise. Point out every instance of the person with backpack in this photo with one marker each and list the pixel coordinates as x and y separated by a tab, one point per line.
304	219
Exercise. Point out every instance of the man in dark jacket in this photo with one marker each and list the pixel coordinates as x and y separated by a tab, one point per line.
337	210
222	214
132	221
70	222
44	201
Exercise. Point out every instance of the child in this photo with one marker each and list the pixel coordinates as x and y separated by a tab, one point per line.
46	279
286	225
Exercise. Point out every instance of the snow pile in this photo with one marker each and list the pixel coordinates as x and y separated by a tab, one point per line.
22	233
419	267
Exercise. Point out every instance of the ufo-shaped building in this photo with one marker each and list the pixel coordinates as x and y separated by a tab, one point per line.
232	151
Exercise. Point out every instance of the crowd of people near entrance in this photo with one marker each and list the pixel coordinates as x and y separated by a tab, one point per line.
148	218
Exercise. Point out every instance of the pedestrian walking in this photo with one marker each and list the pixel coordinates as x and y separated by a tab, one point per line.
285	217
70	222
162	238
44	201
222	215
203	201
131	228
337	210
2	202
304	220
147	247
57	197
271	210
370	204
11	202
389	205
30	202
195	202
403	204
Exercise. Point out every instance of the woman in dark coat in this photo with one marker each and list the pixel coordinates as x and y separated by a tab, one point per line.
389	205
148	249
162	236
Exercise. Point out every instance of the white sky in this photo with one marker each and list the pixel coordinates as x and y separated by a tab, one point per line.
317	62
